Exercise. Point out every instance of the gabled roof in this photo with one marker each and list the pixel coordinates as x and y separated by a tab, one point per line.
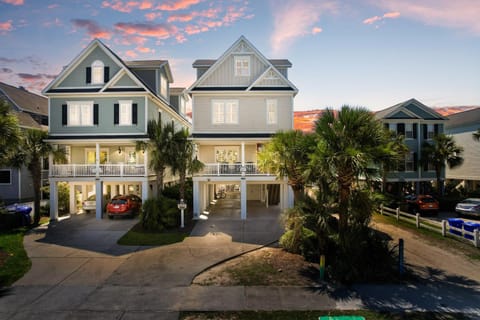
241	41
23	100
25	120
403	110
466	118
125	66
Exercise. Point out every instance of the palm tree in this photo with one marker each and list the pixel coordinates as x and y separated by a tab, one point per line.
395	151
10	134
182	159
30	153
287	154
349	144
159	148
442	152
476	135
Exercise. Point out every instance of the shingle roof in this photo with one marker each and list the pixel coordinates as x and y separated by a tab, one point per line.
285	63
465	118
176	91
145	63
24	100
25	120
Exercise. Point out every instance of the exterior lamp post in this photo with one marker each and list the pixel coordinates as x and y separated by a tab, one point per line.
182	206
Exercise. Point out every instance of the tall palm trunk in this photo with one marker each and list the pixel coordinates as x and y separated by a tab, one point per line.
35	168
160	174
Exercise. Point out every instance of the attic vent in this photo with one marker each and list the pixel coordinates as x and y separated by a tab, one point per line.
242	48
271	76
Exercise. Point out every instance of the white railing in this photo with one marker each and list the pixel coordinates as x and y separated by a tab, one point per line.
234	169
103	170
442	227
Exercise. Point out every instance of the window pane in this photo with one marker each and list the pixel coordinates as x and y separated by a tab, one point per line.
125	113
97	72
408	131
5	177
218	112
242	66
271	111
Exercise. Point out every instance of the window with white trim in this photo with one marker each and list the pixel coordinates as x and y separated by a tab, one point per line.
272	111
408	130
410	162
225	111
163	85
80	113
97	72
430	131
6	176
125	113
242	66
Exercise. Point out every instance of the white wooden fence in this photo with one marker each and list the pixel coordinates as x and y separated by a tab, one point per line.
441	227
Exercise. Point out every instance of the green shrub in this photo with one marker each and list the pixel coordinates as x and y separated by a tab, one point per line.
159	214
173	192
304	243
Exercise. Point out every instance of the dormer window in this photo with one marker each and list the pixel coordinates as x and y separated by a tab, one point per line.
242	66
98	73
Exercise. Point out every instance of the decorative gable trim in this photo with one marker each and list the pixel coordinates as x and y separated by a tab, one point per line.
241	46
270	74
111	84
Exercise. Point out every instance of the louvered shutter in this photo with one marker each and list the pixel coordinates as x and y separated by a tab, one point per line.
106	74
88	75
134	113
116	113
64	114
95	113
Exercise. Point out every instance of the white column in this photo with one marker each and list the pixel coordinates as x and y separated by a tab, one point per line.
53	201
243	198
99	199
84	192
97	160
196	200
145	162
73	200
243	154
290	197
144	190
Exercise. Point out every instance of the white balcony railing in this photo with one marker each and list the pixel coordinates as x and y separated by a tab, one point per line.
103	170
234	169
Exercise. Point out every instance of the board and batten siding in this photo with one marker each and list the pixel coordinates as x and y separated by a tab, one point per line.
105	116
252	114
224	75
206	152
470	169
77	78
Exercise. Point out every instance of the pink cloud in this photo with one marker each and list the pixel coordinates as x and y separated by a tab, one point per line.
177	5
145	50
372	20
93	29
6	27
458	14
14	2
302	15
316	30
131	54
152	15
128	40
53	6
181	17
161	31
391	15
127	6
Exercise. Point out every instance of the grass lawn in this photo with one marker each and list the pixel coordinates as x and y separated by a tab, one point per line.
433	237
314	315
14	262
137	236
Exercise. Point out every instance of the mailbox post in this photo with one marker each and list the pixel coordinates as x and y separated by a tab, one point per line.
182	206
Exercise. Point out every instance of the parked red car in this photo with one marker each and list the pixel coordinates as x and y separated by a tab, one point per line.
127	205
423	204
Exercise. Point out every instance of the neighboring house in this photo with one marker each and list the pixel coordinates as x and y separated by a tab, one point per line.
238	102
417	123
99	106
461	126
32	112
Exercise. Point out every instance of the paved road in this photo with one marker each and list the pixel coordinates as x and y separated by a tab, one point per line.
79	272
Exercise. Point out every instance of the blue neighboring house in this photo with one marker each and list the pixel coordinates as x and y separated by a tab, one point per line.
418	123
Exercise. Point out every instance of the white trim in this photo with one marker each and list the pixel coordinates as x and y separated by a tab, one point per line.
96	66
275	111
242	59
77	103
226	103
262	76
129	106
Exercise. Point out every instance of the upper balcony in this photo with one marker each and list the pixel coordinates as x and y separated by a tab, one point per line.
102	170
231	169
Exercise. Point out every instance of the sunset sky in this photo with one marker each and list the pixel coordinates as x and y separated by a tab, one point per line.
372	53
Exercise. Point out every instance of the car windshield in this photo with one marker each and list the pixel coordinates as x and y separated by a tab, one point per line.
428	200
119	201
471	201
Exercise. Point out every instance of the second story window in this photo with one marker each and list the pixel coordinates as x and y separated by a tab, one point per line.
225	111
430	131
125	113
163	86
409	131
271	111
79	113
97	72
242	66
